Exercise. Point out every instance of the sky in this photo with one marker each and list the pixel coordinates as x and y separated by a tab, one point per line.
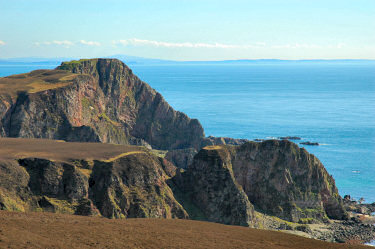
189	29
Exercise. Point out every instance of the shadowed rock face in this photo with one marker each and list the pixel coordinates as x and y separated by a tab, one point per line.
181	158
130	186
209	184
284	180
103	102
134	187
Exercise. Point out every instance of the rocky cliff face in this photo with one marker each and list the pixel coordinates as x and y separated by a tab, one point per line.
221	184
98	100
211	140
119	182
284	180
133	185
209	183
278	177
181	158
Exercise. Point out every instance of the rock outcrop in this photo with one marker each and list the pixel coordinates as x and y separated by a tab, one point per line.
284	180
181	158
310	143
211	140
98	100
135	187
277	177
209	183
132	185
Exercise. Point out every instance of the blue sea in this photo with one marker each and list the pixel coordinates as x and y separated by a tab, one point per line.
332	103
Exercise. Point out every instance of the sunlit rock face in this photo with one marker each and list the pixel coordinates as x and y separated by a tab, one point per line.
97	100
284	180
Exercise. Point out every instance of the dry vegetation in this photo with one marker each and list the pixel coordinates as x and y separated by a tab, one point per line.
47	230
13	148
213	147
35	81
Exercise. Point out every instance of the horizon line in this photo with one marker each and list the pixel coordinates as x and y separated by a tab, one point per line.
169	60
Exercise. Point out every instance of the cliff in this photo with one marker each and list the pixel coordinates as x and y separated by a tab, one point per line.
284	180
97	100
209	183
245	185
101	179
101	100
277	177
118	181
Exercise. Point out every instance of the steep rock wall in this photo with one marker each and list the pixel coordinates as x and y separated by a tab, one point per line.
210	185
104	102
284	180
131	186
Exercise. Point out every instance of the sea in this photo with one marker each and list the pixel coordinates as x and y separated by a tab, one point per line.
328	102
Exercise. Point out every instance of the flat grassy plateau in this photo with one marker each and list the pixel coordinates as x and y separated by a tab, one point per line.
16	148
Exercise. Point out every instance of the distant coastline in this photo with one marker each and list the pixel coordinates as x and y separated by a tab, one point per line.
135	60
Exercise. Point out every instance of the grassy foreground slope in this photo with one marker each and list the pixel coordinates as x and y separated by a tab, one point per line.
47	230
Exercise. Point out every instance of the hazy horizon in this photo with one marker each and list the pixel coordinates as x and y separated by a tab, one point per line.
30	58
189	30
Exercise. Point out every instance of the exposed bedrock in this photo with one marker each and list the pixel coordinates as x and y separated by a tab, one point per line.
130	186
99	100
277	177
284	180
210	185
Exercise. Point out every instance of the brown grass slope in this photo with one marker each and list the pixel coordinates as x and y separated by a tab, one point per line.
15	148
36	81
46	230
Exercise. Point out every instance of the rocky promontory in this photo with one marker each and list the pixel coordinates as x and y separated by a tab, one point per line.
287	181
278	177
98	100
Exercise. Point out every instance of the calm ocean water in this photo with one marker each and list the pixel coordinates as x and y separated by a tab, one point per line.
330	103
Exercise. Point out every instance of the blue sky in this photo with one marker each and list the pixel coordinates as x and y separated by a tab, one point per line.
189	30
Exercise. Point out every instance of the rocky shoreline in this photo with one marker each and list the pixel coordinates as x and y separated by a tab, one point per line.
310	143
292	138
358	229
352	231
